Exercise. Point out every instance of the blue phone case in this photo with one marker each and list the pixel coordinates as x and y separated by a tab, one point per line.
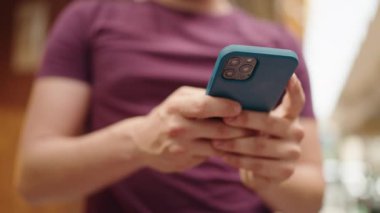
263	89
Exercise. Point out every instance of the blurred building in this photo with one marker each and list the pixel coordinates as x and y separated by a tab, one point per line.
358	110
357	119
23	24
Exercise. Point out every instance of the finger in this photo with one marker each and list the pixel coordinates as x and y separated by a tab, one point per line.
260	183
199	105
275	170
253	181
244	177
261	147
294	99
210	107
202	148
207	129
263	122
212	129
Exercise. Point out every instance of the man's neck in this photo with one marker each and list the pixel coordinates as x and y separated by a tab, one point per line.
214	7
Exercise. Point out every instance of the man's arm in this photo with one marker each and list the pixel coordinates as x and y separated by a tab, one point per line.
57	162
54	162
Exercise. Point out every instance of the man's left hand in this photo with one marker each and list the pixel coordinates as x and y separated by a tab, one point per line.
270	155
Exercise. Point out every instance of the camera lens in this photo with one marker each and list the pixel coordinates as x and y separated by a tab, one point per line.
228	73
234	61
247	69
251	60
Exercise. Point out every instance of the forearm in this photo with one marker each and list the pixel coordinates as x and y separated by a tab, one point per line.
57	168
303	192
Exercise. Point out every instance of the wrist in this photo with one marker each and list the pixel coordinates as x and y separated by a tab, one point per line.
123	135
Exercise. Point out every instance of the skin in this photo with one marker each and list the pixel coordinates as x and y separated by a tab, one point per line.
58	162
284	159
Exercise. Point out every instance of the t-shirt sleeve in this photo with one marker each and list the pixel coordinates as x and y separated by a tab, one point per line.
288	41
67	52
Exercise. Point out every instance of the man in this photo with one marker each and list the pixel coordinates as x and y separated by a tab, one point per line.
118	115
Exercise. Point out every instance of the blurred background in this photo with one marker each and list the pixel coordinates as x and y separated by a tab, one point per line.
342	48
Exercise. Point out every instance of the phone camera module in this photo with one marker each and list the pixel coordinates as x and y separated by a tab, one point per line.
239	68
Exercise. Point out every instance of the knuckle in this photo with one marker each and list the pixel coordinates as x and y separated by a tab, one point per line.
231	108
260	145
222	131
171	109
232	145
227	146
294	153
243	119
270	122
176	150
200	106
176	129
183	90
256	166
298	133
287	171
170	106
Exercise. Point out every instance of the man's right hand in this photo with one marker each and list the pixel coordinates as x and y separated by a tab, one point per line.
177	134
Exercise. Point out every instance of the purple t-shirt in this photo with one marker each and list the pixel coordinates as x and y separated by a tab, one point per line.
133	55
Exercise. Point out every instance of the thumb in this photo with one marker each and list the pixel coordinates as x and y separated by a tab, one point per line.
294	99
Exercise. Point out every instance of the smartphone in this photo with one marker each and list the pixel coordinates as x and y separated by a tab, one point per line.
256	77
